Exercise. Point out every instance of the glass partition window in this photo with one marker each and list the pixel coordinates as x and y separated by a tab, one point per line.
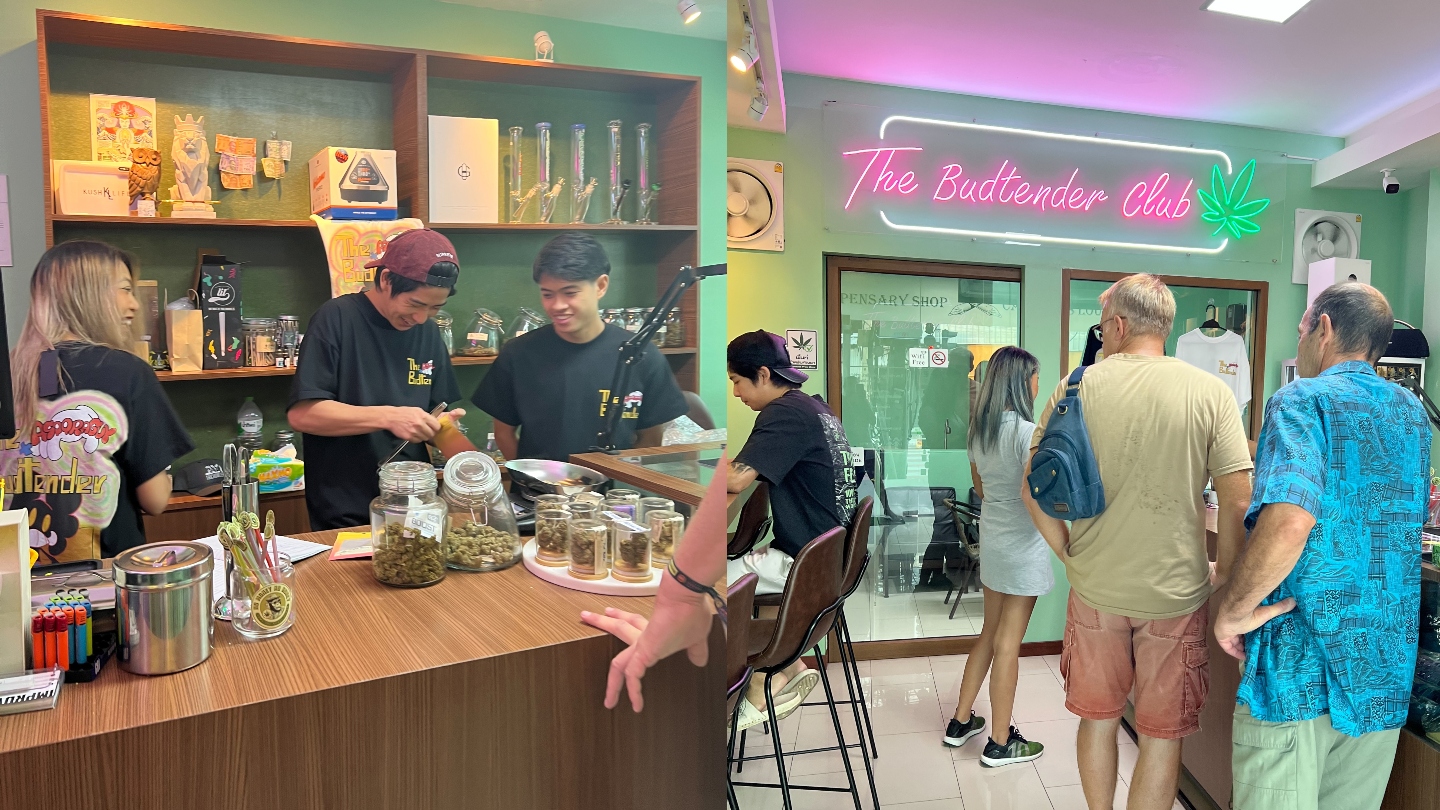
912	350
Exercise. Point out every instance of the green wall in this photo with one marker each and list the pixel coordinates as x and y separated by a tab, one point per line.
779	291
290	265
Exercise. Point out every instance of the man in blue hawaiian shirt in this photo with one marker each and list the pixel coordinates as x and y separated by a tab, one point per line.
1323	607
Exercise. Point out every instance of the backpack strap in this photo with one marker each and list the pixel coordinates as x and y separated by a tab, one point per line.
1072	385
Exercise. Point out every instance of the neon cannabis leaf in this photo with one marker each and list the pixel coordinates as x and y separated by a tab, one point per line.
1228	208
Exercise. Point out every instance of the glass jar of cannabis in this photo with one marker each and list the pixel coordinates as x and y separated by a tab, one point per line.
552	537
261	335
630	551
651	504
588	539
547	502
483	336
407	526
480	533
658	339
527	321
623	501
287	350
446	322
666	529
634	319
674	330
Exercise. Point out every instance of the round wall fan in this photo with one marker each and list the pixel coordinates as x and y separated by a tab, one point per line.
1321	235
753	205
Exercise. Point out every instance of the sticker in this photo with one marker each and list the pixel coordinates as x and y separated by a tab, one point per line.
802	345
270	607
426	524
478	337
919	358
939	358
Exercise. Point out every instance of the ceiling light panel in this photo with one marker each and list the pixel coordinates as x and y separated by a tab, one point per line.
1269	10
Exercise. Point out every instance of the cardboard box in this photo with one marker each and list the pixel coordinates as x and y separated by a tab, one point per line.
464	169
217	281
349	183
90	188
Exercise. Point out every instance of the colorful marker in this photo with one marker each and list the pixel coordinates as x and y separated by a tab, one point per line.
51	658
80	616
89	629
37	642
62	641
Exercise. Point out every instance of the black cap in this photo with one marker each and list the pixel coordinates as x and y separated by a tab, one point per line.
202	478
761	348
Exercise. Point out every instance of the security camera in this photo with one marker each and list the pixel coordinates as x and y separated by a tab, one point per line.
1390	182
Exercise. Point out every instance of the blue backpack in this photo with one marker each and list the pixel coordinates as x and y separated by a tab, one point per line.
1064	475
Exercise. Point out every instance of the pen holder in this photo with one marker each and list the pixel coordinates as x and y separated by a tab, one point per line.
242	498
262	603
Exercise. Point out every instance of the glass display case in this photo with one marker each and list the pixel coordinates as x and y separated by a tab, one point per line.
679	473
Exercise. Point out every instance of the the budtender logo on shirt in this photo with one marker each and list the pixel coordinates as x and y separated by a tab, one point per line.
843	464
64	475
421	373
631	403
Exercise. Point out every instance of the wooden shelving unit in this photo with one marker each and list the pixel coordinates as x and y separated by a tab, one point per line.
69	45
271	371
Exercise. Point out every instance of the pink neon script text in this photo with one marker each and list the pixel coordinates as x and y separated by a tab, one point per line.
998	189
1148	199
885	179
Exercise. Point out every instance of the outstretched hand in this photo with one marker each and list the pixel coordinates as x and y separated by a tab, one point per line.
677	624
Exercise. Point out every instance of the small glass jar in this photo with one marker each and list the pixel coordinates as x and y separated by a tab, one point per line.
552	537
588	539
666	528
407	526
250	441
261	335
659	338
648	505
608	315
544	502
634	317
285	436
480	534
630	552
262	602
527	321
482	338
623	501
287	350
674	330
584	510
446	322
594	498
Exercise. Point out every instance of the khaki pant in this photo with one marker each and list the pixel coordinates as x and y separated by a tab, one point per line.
1308	765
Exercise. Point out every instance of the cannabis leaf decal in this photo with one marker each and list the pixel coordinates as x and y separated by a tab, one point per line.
801	343
1229	208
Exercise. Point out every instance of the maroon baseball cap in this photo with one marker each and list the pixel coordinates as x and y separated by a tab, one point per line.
414	254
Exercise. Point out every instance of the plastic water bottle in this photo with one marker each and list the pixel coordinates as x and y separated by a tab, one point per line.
493	450
250	419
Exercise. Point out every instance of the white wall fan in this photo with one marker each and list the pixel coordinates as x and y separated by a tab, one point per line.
1321	235
754	205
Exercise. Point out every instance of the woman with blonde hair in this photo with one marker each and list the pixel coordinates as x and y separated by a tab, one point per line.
1014	559
95	432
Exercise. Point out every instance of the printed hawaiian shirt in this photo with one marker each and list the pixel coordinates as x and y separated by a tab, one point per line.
1353	450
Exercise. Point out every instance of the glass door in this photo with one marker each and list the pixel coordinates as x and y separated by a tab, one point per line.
909	343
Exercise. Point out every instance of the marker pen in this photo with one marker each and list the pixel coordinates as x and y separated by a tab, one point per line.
37	642
51	658
80	616
74	631
62	641
89	626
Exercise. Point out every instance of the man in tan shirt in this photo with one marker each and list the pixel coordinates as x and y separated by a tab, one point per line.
1139	575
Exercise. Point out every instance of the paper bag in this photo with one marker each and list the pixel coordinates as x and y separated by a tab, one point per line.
184	334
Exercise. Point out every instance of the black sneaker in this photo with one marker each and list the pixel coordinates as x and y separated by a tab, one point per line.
957	732
1015	749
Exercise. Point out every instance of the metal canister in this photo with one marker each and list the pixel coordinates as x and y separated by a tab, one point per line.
162	593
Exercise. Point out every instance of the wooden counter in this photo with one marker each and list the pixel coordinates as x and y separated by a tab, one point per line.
191	516
482	691
639	477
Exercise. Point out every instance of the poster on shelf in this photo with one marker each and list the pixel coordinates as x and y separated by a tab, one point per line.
6	259
349	244
119	124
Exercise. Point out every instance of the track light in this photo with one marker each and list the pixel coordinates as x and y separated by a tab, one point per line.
689	11
745	56
759	105
544	48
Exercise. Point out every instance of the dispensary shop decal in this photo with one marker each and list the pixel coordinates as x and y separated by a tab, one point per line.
1022	186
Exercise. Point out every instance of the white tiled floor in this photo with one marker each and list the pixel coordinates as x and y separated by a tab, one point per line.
910	701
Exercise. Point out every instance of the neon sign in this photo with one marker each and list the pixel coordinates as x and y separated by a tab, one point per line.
983	181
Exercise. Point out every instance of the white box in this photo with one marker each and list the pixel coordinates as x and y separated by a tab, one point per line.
15	608
90	188
350	183
1334	271
464	169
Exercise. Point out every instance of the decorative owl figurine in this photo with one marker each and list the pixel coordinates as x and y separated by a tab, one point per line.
144	174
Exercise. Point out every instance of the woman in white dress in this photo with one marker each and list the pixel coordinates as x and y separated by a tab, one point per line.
1014	559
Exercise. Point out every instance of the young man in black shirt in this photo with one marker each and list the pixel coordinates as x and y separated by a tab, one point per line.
799	448
549	390
372	368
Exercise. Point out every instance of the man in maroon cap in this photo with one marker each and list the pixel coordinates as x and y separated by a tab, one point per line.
372	368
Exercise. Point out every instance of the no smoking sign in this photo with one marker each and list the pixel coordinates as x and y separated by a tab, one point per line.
929	357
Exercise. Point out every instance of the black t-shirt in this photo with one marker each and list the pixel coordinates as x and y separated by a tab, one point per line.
109	429
555	391
351	354
799	448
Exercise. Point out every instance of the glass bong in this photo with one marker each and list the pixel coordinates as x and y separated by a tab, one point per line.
519	199
578	187
548	195
618	187
648	191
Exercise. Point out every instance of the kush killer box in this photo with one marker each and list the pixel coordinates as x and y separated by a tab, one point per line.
349	183
464	169
217	281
